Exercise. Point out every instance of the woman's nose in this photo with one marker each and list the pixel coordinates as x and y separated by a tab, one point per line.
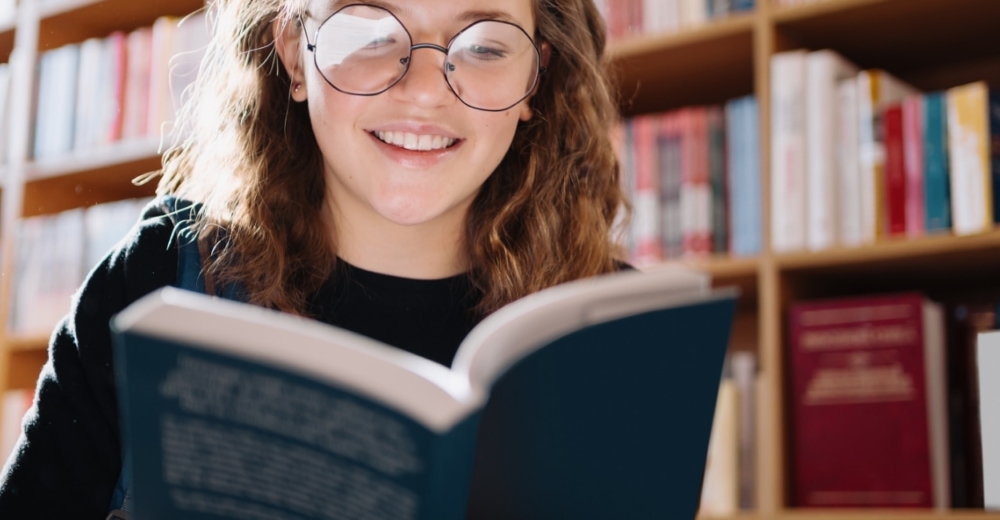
424	83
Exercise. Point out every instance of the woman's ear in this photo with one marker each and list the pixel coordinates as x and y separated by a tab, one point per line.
545	50
288	44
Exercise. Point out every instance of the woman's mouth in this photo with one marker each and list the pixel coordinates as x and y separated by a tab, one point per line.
415	142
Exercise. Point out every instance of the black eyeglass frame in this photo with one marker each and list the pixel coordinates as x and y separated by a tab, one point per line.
408	59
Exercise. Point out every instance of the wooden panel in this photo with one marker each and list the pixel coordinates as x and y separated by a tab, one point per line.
707	65
87	179
906	37
72	21
6	41
24	368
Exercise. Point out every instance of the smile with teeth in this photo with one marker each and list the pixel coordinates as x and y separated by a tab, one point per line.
414	141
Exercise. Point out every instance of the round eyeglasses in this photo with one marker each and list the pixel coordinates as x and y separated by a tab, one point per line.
364	50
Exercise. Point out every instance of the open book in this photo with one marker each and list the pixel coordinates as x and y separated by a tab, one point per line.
592	399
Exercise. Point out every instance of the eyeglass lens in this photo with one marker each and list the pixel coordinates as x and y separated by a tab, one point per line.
365	50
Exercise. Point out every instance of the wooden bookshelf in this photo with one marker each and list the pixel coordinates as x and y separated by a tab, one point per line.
932	43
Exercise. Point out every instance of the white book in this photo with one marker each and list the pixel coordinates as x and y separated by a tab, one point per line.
720	491
4	111
824	70
135	119
988	366
971	151
160	105
788	151
89	84
190	43
877	89
849	163
8	12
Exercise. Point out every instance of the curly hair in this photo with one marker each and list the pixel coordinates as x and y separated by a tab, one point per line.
545	215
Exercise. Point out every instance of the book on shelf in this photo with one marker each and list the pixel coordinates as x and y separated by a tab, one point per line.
5	79
720	491
988	360
788	151
868	390
849	164
973	137
625	18
895	180
966	320
692	195
937	181
119	87
877	90
54	253
824	70
562	404
728	485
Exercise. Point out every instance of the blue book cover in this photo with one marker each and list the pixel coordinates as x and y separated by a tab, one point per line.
593	399
937	191
752	143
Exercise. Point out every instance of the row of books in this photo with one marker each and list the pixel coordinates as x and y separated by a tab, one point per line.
638	17
693	176
859	155
728	486
123	87
54	254
885	403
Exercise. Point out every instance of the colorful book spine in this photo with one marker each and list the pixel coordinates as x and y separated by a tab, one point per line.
868	391
937	183
913	164
895	172
646	197
670	145
973	127
696	188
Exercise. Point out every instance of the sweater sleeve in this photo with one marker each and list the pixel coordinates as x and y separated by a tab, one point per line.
68	456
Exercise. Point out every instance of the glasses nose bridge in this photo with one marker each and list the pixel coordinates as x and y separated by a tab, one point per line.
434	46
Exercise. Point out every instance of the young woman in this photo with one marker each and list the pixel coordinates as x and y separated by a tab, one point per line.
400	168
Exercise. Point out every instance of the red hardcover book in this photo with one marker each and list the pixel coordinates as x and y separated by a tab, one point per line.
868	403
646	201
696	188
913	164
895	171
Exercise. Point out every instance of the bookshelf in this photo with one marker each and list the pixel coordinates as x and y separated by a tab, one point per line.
930	43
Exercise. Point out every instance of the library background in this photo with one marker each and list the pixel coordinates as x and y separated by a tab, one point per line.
832	158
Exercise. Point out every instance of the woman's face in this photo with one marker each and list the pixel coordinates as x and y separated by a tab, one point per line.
439	151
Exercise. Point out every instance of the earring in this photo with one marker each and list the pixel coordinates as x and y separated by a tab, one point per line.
296	86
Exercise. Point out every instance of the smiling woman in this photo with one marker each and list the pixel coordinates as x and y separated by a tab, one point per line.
400	169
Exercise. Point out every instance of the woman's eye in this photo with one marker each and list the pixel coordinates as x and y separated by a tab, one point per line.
486	53
378	43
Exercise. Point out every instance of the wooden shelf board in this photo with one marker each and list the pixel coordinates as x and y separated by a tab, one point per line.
905	37
72	21
27	343
895	250
6	40
704	65
885	514
90	178
24	368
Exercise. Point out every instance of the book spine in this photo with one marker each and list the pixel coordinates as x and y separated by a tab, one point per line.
895	172
736	177
670	145
717	177
855	363
696	189
913	164
824	69
937	183
849	165
968	142
788	192
647	204
751	146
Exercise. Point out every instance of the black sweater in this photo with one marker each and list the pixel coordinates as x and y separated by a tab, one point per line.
68	459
